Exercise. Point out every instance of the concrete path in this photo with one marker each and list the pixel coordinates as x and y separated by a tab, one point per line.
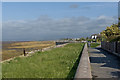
104	64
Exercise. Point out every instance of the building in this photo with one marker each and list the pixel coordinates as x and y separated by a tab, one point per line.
95	37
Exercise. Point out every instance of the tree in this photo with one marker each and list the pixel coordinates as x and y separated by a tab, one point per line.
111	33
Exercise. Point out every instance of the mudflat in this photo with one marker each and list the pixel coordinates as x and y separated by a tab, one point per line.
15	48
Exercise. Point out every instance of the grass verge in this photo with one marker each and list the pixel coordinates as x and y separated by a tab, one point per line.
93	45
56	63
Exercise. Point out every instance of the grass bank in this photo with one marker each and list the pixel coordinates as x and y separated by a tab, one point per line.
56	63
93	45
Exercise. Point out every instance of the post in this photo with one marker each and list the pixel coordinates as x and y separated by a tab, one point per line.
24	52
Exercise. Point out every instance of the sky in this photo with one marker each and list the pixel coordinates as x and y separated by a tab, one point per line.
25	21
60	0
119	9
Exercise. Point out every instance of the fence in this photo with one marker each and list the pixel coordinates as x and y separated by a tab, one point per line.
113	47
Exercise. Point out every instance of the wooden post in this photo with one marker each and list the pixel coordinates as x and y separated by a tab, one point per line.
24	52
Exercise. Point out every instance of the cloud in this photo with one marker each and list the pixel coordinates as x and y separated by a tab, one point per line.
47	28
74	6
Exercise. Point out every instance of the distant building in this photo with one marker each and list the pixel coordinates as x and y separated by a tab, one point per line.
95	36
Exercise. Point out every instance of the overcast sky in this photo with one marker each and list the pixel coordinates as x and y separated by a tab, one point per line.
51	21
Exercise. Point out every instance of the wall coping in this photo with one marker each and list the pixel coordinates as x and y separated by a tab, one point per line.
84	68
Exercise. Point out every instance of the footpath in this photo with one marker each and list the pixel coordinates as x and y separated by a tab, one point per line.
104	64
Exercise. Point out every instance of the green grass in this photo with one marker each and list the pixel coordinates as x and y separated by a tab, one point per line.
93	45
56	63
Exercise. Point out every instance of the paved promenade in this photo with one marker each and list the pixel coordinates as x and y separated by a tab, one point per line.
104	64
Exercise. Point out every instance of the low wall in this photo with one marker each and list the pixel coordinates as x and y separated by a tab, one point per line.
84	68
59	43
113	47
64	42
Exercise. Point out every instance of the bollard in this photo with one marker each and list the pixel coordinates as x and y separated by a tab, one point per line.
24	52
